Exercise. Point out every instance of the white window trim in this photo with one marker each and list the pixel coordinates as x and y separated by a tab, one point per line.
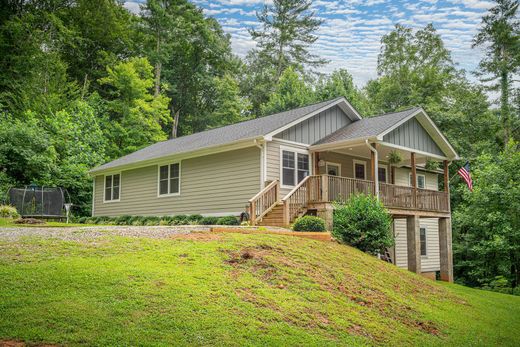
386	171
425	240
354	162
294	150
159	195
327	163
105	186
417	178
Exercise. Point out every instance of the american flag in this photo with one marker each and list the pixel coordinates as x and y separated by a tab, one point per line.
466	176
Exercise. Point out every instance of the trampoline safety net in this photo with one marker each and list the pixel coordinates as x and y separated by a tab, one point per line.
33	201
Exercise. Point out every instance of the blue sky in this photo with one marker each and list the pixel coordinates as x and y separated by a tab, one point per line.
352	29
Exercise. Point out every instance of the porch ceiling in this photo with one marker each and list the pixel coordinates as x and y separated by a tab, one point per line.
362	151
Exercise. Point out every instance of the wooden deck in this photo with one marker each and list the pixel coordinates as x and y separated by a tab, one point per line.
400	200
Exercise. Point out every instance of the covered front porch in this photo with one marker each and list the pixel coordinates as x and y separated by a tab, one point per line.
407	189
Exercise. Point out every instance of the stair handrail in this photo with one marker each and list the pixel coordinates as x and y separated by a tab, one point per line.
264	201
291	205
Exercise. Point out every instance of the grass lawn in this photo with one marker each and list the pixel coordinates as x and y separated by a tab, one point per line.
237	290
8	223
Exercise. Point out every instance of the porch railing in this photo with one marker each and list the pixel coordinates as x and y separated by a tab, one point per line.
264	201
340	189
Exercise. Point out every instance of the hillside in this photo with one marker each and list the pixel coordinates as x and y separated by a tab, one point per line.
233	289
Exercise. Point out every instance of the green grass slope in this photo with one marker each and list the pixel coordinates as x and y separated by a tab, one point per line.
236	290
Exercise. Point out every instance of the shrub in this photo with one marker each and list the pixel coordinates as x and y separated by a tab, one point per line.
122	220
194	218
7	211
363	222
209	221
228	220
309	223
82	220
179	220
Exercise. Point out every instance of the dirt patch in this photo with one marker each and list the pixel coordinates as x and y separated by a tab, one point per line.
15	343
197	236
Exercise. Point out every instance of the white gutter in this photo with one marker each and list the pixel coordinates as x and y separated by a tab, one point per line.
376	169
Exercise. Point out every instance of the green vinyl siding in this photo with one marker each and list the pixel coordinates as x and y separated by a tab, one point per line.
219	183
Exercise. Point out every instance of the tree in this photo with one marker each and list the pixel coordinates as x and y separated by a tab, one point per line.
188	51
340	83
487	223
135	114
230	107
288	29
291	92
500	34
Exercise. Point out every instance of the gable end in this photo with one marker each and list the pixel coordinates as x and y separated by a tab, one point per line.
317	127
411	134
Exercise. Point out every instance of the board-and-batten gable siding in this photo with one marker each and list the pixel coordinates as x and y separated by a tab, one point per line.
411	134
213	184
317	127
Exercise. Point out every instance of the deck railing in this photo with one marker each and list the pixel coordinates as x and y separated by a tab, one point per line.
264	201
340	189
326	188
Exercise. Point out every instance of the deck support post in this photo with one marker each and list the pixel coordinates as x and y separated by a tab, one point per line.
413	241
446	252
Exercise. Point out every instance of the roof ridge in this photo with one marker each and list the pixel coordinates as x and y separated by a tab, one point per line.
389	113
250	120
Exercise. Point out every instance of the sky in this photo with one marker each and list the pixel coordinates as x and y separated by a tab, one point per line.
352	29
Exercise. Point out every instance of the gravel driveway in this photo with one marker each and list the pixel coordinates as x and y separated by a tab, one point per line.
82	233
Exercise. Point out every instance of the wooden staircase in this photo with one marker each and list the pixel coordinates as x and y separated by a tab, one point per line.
274	217
267	209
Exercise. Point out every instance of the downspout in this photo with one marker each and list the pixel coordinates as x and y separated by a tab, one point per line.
376	168
262	164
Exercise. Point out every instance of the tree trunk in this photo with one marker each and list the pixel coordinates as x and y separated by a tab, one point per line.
175	126
504	105
158	66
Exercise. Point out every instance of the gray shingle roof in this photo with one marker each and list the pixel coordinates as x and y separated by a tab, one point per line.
219	136
367	127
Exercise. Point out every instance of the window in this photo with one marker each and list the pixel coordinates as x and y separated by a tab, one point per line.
422	232
112	187
421	181
295	167
170	179
359	169
381	173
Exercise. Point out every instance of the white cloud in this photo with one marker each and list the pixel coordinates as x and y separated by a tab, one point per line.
132	6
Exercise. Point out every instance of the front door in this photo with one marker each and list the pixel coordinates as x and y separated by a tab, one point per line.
333	169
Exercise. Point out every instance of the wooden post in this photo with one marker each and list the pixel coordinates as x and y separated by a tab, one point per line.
414	179
316	161
413	242
446	252
325	188
447	182
286	218
252	212
373	172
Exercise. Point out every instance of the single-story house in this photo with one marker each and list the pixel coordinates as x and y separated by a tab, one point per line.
295	162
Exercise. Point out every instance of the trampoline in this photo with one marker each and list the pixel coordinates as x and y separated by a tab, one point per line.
40	202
